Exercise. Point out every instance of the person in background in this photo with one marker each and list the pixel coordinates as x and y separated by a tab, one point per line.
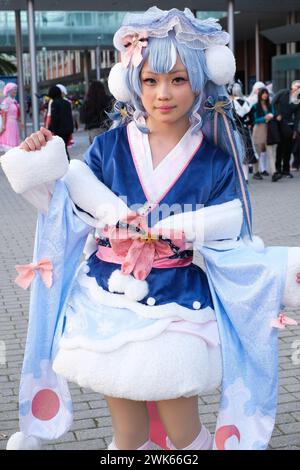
92	112
287	106
10	114
61	119
252	99
241	109
263	113
64	94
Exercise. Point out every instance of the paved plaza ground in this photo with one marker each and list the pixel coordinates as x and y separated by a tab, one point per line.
276	208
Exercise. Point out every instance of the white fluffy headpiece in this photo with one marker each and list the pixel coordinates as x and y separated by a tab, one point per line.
133	36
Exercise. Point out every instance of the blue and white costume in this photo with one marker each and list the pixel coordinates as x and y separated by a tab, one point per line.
179	330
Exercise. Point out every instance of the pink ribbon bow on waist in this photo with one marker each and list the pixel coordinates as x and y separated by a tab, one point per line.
139	245
282	321
27	273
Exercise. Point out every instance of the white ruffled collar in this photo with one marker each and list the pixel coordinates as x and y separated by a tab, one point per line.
157	182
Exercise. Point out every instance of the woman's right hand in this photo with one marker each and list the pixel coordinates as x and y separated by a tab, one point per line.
269	117
36	140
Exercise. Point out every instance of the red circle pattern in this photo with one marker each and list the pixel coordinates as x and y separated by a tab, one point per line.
45	404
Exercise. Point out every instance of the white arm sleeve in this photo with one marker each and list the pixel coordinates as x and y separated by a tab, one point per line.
92	196
34	173
221	221
25	170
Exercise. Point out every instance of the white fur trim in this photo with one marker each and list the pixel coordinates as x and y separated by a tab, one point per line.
117	83
168	366
90	246
136	290
221	65
40	196
86	269
257	244
92	195
133	289
291	296
221	221
25	170
118	281
19	441
171	310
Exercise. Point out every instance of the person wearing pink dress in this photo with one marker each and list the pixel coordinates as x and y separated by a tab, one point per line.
10	113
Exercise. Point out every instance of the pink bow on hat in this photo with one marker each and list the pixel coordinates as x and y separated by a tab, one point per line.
134	44
140	246
282	321
27	273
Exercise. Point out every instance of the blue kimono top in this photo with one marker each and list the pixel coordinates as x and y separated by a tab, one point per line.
193	175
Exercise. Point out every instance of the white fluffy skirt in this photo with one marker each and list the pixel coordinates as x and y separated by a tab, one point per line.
168	366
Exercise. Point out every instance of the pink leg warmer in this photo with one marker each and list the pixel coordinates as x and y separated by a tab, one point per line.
204	441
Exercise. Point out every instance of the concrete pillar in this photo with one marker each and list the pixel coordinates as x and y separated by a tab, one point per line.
257	52
33	70
246	69
86	70
230	24
19	54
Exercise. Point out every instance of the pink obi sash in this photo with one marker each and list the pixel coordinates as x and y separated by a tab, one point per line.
138	248
105	253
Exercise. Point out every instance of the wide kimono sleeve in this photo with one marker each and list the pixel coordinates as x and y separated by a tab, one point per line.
247	289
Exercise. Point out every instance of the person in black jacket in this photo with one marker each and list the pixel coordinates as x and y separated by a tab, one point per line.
287	107
92	112
60	116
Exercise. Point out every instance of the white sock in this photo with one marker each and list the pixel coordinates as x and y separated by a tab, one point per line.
263	161
204	441
146	446
246	172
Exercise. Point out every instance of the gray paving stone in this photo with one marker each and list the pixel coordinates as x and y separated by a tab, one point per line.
290	428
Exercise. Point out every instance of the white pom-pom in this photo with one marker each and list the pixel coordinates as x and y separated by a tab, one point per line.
118	281
136	290
117	83
19	441
221	66
256	243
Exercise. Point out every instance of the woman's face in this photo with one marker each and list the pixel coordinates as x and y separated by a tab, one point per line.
13	92
265	96
168	97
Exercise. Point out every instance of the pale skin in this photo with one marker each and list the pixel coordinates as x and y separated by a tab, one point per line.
167	99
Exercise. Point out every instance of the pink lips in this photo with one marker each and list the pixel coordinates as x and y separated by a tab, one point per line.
165	109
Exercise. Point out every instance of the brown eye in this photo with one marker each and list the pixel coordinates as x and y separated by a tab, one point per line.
179	79
149	81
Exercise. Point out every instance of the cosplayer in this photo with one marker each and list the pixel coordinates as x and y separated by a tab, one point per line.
138	321
10	118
